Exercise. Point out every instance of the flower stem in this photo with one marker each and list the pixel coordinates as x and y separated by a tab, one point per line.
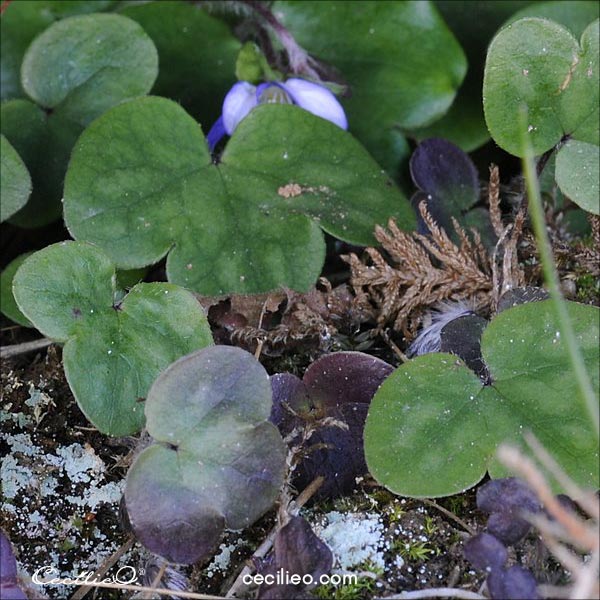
538	221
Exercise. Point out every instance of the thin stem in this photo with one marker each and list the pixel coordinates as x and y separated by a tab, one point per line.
436	593
536	211
24	348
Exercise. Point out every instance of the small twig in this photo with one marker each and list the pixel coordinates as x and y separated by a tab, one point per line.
263	549
449	514
393	346
24	348
435	593
554	591
104	567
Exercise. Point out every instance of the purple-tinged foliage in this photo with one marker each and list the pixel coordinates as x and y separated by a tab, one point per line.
215	462
505	500
9	585
338	386
486	552
514	583
290	397
447	180
296	551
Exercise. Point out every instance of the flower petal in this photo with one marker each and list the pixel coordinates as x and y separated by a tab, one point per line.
217	131
240	100
317	99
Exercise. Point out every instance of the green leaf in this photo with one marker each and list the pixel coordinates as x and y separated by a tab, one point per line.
15	182
76	86
7	300
577	174
216	462
141	184
401	61
473	24
197	55
433	428
575	15
113	349
85	64
21	22
539	64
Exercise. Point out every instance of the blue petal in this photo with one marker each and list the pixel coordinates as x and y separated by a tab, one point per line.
240	100
316	99
217	131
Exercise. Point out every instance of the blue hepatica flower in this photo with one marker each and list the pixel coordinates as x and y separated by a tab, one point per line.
244	96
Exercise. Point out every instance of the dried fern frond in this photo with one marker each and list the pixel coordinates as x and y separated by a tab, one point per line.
421	272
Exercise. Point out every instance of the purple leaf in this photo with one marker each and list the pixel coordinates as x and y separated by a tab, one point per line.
505	500
508	526
296	550
485	552
509	493
9	585
345	378
289	392
341	386
515	583
216	462
447	180
342	458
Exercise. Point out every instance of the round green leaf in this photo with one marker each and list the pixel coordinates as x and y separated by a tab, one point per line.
114	349
430	444
141	183
21	22
433	427
577	166
15	182
216	462
399	58
88	63
538	64
7	300
197	55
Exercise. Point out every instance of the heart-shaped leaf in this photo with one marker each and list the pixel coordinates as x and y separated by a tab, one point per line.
399	58
448	184
577	174
338	386
216	461
21	22
240	225
538	64
113	348
297	551
15	182
197	79
433	428
115	60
